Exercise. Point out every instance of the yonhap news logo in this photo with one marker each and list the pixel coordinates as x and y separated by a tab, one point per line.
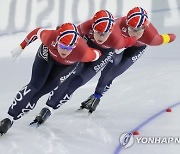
128	139
158	140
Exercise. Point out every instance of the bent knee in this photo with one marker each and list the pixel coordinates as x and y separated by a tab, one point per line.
76	82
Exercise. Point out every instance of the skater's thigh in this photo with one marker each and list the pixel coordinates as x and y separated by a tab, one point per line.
40	70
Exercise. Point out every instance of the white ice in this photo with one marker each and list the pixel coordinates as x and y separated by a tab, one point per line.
150	85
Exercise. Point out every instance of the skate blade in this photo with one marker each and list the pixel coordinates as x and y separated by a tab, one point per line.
32	123
84	111
90	113
35	124
80	109
1	134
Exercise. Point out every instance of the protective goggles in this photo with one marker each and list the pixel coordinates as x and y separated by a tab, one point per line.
136	29
68	48
102	33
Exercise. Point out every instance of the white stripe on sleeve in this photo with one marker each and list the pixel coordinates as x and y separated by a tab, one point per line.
39	33
97	55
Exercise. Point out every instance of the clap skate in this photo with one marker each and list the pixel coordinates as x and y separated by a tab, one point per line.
41	117
90	104
5	124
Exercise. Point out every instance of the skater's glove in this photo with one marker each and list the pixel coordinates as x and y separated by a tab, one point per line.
167	38
15	53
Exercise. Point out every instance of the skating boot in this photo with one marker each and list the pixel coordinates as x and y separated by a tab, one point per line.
41	117
5	124
90	104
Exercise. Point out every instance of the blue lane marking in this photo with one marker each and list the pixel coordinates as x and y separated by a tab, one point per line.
119	147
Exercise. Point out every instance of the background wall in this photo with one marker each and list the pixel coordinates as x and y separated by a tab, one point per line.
150	85
23	15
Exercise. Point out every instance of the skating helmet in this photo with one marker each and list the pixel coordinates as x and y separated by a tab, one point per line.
137	17
69	35
103	21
